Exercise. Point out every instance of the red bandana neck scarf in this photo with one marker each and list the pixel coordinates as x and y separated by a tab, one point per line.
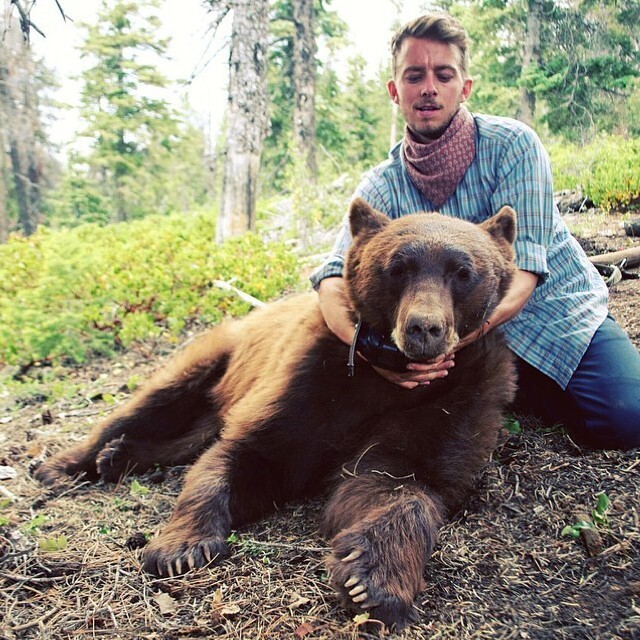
436	168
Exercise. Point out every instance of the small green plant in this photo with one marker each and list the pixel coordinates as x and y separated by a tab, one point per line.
34	525
72	294
51	545
136	489
253	548
598	518
4	503
133	382
512	425
599	514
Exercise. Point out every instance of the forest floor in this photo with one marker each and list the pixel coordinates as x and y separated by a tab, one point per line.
70	567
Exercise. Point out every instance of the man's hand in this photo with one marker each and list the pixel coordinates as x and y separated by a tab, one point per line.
420	374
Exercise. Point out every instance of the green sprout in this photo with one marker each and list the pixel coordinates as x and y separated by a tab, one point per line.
598	518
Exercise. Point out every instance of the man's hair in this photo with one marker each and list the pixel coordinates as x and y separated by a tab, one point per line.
440	27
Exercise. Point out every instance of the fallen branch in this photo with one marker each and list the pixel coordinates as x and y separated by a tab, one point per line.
632	257
254	302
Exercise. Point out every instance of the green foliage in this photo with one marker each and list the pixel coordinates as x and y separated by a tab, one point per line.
494	28
330	31
34	525
598	518
90	290
585	73
143	157
614	180
608	169
53	544
588	67
137	489
512	424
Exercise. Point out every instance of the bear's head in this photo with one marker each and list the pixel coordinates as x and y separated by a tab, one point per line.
427	279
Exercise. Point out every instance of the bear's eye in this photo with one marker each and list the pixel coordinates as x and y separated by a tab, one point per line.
397	270
402	265
463	273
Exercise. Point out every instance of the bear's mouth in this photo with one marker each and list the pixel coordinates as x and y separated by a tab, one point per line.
425	347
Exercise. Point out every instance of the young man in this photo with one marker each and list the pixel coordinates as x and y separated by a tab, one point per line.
576	365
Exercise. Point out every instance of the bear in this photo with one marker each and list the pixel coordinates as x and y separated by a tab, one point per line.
265	410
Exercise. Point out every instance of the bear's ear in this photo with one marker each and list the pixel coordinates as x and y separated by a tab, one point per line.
364	219
502	225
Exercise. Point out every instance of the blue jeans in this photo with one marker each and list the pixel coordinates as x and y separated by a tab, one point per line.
601	405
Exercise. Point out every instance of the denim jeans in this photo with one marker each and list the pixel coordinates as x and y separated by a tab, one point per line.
601	405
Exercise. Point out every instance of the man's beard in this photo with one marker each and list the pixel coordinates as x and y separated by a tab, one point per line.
433	133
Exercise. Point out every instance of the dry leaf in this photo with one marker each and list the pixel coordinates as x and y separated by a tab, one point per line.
7	473
303	630
229	610
168	605
297	600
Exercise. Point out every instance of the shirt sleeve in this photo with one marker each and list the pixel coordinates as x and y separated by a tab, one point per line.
333	266
526	184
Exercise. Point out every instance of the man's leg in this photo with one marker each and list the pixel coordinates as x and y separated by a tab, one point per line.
601	404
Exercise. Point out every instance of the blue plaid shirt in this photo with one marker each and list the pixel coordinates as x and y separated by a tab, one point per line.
511	167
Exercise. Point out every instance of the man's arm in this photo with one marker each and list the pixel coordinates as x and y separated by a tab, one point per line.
332	297
521	289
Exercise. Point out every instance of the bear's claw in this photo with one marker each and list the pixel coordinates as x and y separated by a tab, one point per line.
163	562
360	574
113	462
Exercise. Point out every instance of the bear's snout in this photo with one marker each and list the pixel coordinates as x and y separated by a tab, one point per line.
422	336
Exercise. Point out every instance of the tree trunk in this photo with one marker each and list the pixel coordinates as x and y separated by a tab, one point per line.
21	125
304	85
530	57
4	215
247	117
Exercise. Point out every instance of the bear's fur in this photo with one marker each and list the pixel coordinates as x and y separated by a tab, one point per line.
265	409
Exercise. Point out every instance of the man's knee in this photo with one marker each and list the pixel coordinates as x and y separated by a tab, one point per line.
615	425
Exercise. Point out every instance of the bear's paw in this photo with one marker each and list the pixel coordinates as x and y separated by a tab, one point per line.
367	578
168	555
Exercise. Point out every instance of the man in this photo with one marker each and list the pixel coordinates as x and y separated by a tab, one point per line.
576	365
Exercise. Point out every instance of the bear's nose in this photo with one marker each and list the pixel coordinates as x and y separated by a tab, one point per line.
431	330
423	335
427	328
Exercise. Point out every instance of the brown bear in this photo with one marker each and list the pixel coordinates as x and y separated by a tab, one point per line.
266	409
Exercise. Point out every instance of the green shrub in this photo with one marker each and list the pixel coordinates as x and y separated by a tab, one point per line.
614	179
66	295
607	169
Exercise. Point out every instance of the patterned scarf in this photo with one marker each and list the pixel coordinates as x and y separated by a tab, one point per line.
437	167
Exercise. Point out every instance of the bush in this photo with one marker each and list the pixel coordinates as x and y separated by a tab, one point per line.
608	169
69	294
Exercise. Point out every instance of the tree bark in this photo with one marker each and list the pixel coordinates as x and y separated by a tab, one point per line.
20	119
304	85
247	117
530	57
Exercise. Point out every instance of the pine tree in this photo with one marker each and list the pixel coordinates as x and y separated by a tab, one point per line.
133	131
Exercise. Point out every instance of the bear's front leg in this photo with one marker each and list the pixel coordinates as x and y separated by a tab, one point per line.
382	534
201	522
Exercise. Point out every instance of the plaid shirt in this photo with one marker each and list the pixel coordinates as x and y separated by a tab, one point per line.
511	167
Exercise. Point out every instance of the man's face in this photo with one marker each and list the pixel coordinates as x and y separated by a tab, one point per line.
428	86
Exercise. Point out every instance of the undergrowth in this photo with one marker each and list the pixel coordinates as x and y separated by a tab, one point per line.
607	169
68	295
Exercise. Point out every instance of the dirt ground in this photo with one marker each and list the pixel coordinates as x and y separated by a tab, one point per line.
70	565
